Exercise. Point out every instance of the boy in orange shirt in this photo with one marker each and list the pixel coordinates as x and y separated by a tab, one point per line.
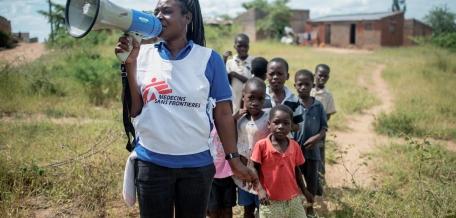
277	159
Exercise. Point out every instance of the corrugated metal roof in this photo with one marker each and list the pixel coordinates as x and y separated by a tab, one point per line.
354	17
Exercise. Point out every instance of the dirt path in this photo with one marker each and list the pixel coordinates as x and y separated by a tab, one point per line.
360	139
23	53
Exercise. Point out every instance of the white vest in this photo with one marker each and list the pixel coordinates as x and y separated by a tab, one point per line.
176	114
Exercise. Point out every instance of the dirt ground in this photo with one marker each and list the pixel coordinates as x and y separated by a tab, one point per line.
23	53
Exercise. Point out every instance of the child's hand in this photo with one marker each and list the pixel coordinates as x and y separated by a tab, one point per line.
263	197
227	54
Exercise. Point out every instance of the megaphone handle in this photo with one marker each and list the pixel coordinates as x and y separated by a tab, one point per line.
131	36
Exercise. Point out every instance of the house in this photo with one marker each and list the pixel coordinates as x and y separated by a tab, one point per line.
415	28
364	30
5	25
248	22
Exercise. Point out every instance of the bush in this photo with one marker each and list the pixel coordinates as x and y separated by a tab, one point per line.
445	40
6	40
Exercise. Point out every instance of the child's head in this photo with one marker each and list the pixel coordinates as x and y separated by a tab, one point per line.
280	119
241	44
304	81
259	67
321	75
253	95
277	73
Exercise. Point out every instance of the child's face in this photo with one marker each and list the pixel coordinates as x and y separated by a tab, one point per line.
242	47
253	99
280	124
277	75
321	77
303	85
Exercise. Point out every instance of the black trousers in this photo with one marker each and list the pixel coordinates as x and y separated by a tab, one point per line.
162	190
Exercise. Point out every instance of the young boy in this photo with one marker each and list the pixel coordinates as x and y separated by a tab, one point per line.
252	125
222	198
277	75
322	94
260	67
312	129
277	159
238	68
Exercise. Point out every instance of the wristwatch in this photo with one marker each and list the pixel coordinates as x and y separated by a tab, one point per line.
230	156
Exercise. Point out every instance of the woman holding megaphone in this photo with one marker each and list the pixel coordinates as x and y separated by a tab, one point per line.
177	86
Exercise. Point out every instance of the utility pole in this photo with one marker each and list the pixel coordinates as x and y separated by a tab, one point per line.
51	21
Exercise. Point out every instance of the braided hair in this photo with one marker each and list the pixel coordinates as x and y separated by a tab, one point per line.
195	29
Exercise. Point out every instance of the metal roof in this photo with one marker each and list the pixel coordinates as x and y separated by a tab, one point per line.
354	17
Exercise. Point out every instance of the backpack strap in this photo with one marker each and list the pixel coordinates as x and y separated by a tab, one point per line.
126	106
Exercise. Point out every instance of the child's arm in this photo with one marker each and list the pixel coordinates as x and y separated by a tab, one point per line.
302	186
238	76
226	129
314	139
239	114
262	195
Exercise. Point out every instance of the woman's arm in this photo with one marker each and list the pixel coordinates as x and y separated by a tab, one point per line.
224	123
130	65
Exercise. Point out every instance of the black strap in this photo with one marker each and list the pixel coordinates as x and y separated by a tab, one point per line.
126	104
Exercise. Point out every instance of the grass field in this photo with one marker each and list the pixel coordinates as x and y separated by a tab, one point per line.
62	145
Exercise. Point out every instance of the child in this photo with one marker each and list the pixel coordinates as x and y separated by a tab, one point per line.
238	68
252	125
323	95
277	75
277	159
222	198
312	129
260	67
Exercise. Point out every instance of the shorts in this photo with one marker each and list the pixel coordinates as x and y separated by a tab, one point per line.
290	208
247	198
223	194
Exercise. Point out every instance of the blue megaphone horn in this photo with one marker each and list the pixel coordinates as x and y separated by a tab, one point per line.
83	16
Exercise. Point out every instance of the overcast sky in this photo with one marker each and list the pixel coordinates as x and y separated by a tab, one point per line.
24	17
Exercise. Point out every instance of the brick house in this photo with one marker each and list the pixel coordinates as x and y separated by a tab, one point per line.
415	28
365	30
5	25
248	22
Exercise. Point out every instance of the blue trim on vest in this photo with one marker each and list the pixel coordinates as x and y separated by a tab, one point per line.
174	161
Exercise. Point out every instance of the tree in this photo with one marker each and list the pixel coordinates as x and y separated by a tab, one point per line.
277	16
442	20
56	18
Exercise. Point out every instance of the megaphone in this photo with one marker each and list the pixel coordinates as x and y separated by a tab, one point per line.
83	16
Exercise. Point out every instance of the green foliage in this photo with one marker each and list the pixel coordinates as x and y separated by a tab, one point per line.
56	18
421	80
277	16
418	180
445	40
442	20
6	40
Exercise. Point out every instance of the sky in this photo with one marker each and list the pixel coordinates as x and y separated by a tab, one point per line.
24	17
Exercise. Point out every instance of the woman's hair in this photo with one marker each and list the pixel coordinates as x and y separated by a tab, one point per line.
195	29
280	107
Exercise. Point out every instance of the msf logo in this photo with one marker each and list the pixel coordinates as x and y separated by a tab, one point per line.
154	89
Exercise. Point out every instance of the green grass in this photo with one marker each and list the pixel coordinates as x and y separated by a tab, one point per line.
418	180
61	136
422	80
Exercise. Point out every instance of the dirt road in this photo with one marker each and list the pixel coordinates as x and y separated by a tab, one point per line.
23	53
360	139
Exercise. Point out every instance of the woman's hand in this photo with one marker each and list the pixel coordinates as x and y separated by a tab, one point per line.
263	197
124	44
243	172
